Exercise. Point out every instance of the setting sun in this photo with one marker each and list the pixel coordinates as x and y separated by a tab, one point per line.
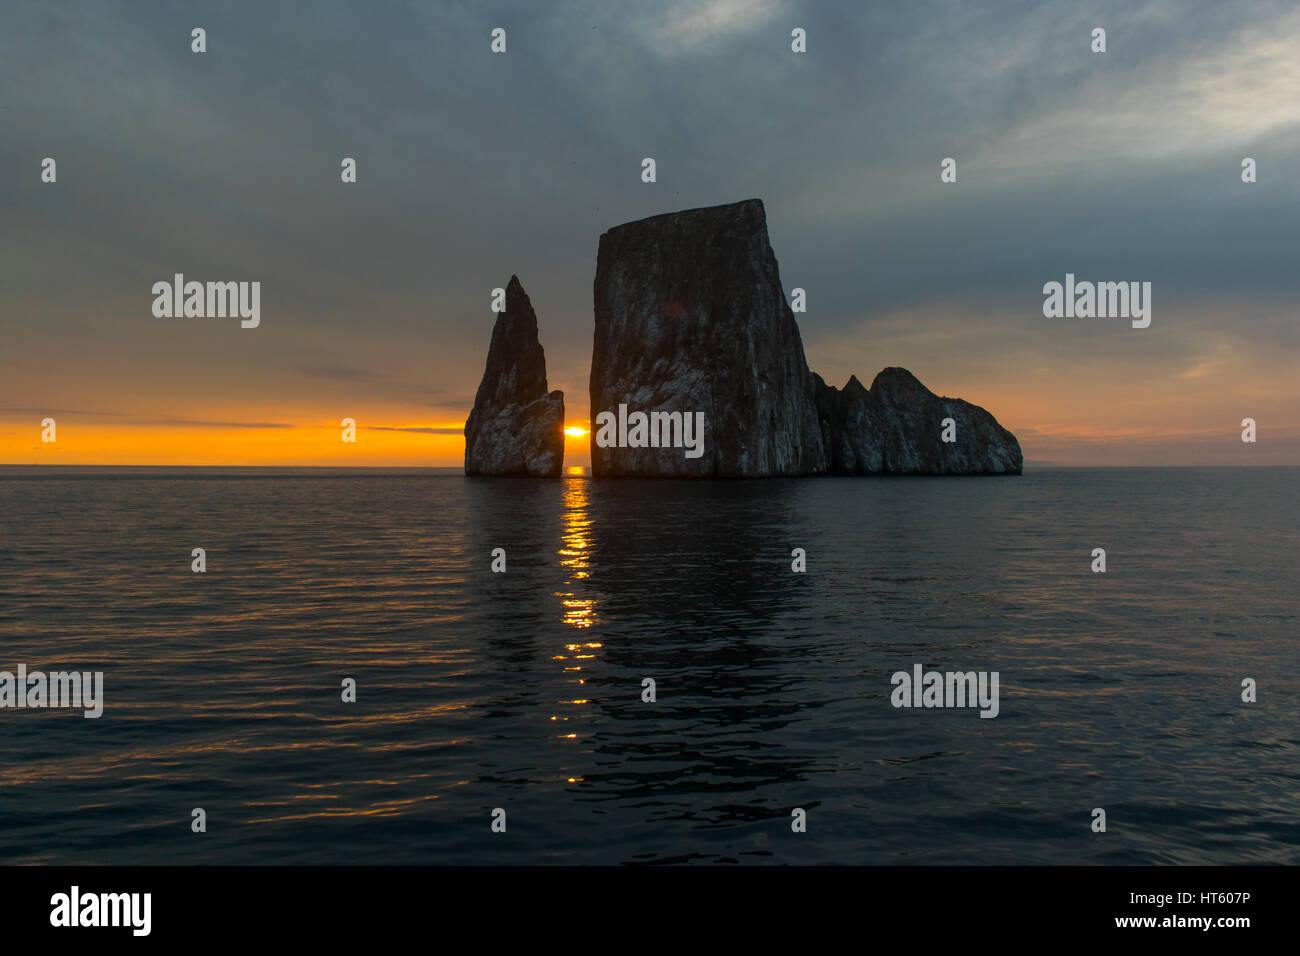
575	431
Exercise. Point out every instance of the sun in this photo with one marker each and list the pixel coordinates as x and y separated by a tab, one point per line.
575	431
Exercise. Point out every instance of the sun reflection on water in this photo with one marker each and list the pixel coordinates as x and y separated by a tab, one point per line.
579	610
575	547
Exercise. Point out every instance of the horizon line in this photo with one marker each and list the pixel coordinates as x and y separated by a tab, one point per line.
1035	464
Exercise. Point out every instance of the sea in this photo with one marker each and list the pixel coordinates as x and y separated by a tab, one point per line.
650	680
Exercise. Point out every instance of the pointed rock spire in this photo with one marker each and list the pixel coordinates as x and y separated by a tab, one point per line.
516	427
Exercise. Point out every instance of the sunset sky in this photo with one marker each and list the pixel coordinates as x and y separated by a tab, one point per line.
1122	166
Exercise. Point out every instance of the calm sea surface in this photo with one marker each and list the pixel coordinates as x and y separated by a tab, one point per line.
522	690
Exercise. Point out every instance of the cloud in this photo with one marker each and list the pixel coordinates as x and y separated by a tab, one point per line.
200	423
688	25
144	421
29	410
1227	94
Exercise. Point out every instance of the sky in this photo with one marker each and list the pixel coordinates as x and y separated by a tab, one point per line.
473	166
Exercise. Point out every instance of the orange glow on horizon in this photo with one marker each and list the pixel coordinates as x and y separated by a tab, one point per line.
79	442
245	437
1050	429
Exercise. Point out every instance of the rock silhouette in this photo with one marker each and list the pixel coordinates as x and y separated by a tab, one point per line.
896	428
691	317
516	428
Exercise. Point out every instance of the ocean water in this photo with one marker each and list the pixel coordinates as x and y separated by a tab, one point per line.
523	690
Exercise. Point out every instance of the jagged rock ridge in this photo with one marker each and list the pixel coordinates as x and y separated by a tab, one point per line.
516	428
691	316
896	428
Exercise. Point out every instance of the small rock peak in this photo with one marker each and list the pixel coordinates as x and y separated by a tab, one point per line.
516	426
895	377
516	362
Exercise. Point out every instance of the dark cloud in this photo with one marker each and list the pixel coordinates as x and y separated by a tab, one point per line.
126	419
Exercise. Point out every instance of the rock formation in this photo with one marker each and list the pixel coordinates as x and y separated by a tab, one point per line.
691	317
516	428
896	428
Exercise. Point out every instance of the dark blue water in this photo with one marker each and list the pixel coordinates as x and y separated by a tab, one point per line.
522	690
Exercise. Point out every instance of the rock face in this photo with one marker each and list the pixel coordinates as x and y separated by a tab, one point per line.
516	428
691	317
896	428
850	428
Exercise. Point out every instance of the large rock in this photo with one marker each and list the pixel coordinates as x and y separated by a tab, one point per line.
516	428
691	317
896	428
